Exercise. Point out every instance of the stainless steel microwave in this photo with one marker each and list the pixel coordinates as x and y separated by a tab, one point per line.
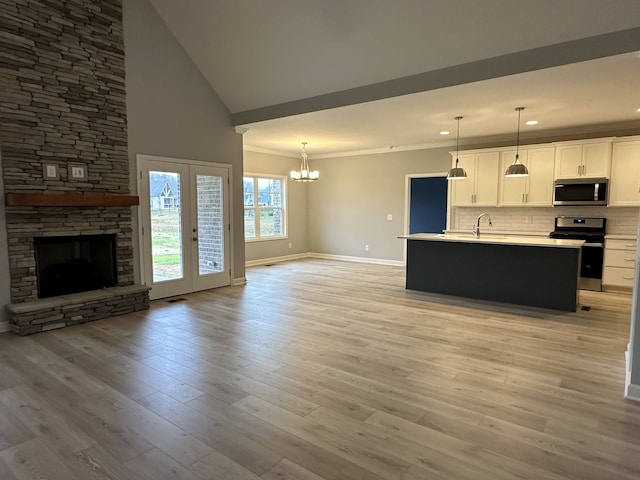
581	191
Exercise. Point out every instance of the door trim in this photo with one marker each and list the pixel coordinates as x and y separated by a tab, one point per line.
154	158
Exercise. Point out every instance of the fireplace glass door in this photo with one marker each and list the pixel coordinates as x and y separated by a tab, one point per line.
185	234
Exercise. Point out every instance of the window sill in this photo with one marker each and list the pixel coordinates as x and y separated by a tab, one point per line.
264	239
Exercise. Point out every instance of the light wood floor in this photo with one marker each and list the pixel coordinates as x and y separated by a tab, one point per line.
323	370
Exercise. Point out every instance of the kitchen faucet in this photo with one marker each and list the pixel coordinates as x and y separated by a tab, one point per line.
476	228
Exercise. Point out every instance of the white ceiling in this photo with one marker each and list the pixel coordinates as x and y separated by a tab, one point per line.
258	55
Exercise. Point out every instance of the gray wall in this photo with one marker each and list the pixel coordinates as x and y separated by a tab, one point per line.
255	162
173	112
348	207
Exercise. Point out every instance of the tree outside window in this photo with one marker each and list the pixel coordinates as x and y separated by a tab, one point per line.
264	207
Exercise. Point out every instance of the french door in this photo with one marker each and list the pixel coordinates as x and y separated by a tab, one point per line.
185	226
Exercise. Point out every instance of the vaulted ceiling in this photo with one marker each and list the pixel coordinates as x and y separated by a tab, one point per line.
357	75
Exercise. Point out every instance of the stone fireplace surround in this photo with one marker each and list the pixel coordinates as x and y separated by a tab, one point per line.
62	103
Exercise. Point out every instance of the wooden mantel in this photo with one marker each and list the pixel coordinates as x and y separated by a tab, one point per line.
70	200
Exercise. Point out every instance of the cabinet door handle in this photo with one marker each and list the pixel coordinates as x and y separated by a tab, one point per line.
629	259
634	245
627	278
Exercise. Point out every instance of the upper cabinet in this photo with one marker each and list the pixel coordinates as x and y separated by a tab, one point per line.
591	159
480	188
535	190
624	187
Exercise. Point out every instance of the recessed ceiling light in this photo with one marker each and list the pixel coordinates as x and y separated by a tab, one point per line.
532	122
445	132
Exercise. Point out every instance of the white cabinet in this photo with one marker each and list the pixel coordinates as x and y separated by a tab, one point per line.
624	187
583	159
619	262
480	188
535	190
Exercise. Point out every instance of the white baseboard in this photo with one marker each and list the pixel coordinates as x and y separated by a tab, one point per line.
631	391
239	281
325	256
346	258
4	327
266	261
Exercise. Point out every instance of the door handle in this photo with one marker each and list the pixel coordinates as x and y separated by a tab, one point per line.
195	239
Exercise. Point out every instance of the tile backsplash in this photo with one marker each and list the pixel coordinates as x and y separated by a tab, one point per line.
539	220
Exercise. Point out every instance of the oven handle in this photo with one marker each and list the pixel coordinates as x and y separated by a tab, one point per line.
593	244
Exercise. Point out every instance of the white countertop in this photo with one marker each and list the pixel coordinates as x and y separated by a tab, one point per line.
495	239
620	237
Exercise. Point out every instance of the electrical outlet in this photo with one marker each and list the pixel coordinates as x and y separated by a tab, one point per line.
528	219
389	216
290	244
366	247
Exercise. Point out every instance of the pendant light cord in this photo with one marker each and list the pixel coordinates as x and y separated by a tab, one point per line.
458	139
519	109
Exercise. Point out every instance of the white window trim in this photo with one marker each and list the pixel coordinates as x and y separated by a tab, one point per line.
285	207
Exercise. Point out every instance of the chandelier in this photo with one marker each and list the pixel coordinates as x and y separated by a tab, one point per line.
305	174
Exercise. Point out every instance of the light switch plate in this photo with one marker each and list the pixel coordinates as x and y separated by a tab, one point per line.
77	171
50	171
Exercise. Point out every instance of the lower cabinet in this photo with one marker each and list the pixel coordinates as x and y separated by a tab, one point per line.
619	262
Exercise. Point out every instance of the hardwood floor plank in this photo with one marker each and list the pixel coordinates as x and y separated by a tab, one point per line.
474	454
95	463
290	446
33	460
12	430
215	465
156	464
305	386
287	470
133	419
219	435
43	420
367	456
442	455
5	471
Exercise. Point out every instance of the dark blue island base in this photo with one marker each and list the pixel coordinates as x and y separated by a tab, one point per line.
538	276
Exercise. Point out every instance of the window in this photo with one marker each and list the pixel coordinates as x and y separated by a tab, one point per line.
264	207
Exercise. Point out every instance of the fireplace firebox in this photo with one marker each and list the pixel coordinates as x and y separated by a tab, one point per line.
71	264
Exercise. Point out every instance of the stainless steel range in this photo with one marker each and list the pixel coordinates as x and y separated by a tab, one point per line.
592	231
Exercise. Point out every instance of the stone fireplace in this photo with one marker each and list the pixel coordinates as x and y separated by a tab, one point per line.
63	137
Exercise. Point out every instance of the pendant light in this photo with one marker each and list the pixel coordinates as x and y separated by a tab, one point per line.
517	169
457	173
305	174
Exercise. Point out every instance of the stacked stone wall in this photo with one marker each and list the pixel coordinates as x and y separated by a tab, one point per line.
62	105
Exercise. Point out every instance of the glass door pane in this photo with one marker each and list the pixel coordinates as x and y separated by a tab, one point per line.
210	224
166	226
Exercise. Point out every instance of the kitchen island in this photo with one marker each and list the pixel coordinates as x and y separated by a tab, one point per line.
534	271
